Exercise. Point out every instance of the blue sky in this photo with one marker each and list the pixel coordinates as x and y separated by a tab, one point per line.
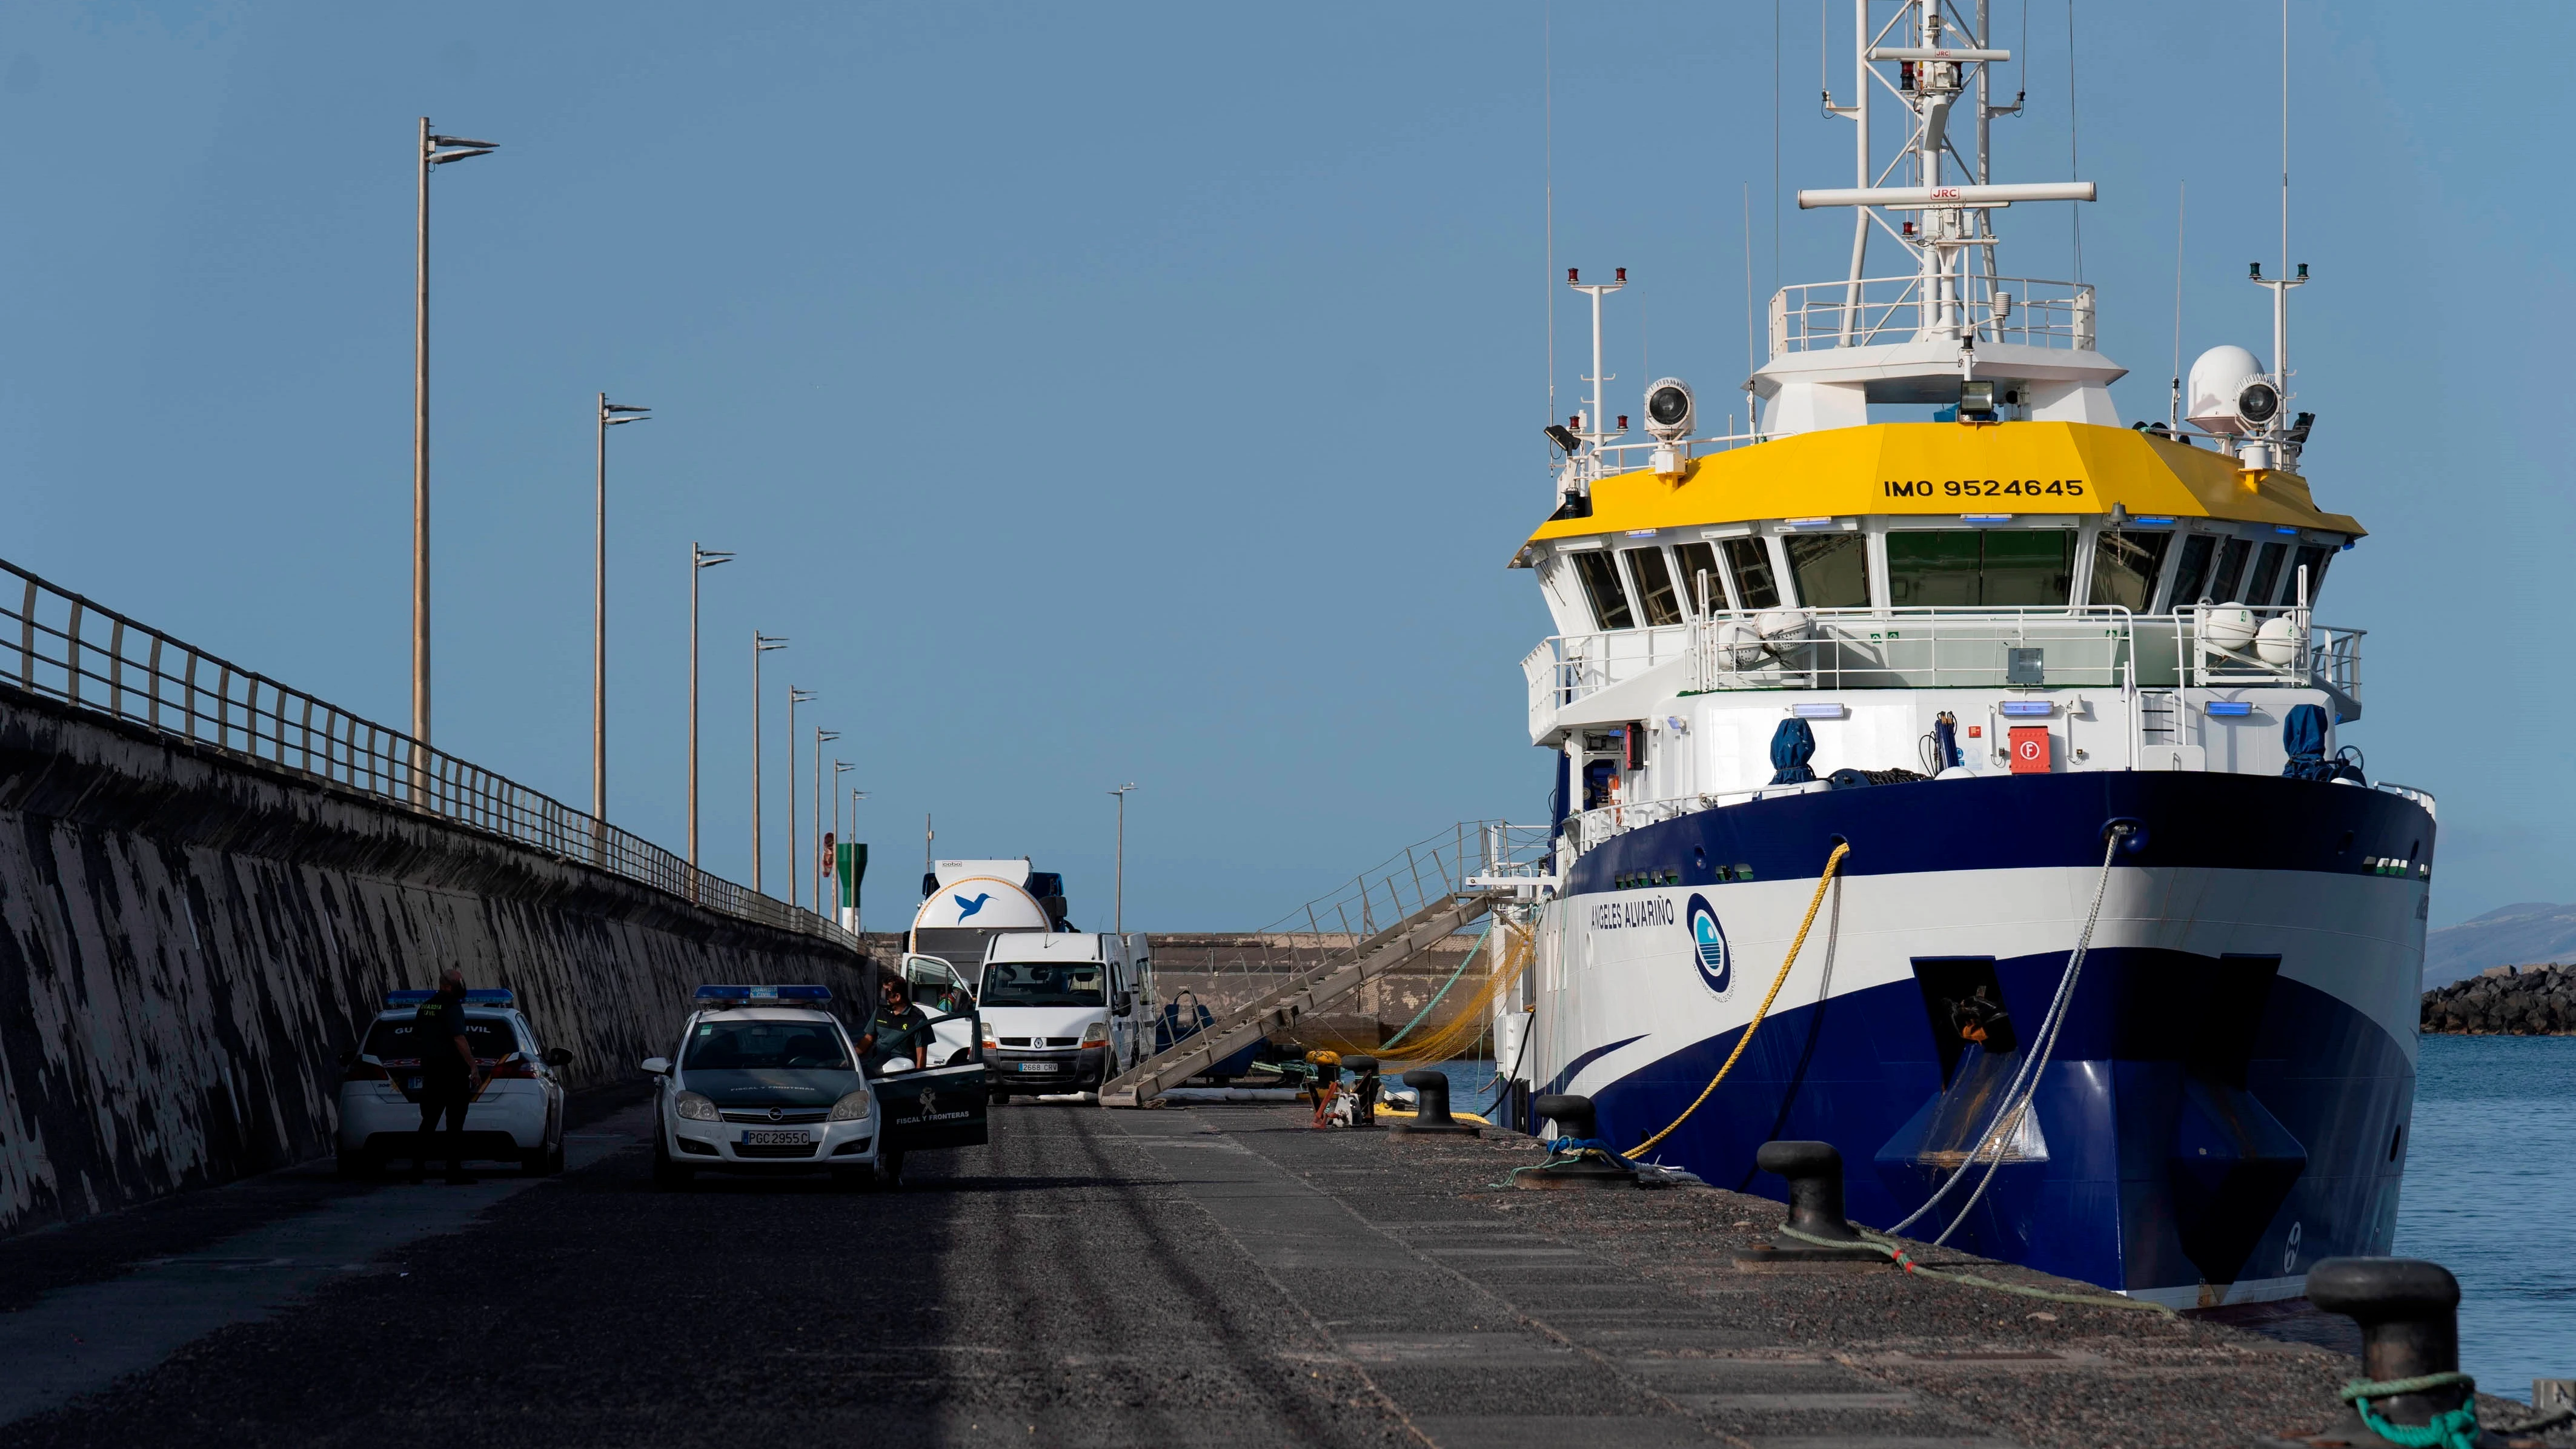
1152	392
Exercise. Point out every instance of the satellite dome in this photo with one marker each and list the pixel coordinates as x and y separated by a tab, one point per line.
2219	378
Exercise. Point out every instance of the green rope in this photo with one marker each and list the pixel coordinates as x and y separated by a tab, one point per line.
1898	1256
1468	960
2451	1429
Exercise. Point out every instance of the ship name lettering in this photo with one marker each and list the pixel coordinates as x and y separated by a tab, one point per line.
1627	915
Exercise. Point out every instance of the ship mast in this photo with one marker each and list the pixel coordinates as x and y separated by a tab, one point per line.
1933	75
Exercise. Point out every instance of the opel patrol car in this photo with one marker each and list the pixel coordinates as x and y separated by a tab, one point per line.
766	1080
517	1112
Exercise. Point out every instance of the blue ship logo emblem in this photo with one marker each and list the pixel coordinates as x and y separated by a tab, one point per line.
967	908
1708	944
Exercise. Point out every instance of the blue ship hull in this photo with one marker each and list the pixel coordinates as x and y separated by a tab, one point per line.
2211	1121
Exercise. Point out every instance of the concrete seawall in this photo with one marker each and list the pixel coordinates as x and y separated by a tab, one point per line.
188	941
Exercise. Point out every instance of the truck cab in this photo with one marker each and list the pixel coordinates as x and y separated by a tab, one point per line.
1061	1009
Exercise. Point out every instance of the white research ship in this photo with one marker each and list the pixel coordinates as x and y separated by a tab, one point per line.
2010	654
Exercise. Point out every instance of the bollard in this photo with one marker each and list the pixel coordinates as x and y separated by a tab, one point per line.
1574	1166
2408	1310
1431	1113
1365	1084
1815	1174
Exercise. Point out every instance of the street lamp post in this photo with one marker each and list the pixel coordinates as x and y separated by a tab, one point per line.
1118	920
700	560
839	768
820	736
855	921
435	150
795	697
760	644
610	415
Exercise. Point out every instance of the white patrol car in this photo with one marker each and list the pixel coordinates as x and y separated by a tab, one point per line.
517	1111
766	1079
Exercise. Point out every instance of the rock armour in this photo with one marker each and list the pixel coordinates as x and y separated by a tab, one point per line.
2508	1001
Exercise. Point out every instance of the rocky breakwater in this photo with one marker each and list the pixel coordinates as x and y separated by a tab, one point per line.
2506	1000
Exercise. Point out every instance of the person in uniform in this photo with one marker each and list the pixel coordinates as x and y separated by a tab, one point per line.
447	1075
898	1030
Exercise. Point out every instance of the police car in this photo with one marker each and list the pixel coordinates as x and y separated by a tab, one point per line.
766	1079
516	1115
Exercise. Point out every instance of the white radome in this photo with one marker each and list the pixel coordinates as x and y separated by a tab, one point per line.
2218	376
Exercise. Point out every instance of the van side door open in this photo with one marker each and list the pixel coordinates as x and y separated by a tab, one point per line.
940	1106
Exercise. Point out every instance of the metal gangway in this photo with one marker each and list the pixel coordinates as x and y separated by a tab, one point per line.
1411	904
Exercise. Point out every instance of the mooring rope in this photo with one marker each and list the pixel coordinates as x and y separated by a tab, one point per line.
1833	863
2016	1100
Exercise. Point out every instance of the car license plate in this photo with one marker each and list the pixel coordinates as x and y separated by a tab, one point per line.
771	1138
1033	1066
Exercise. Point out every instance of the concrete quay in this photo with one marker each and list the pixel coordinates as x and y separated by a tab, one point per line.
1185	1276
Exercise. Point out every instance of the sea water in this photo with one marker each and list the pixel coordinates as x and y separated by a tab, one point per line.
2490	1194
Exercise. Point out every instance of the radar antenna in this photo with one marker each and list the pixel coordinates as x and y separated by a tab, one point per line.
1934	70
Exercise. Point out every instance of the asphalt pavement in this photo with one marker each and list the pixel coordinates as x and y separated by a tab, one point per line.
1185	1277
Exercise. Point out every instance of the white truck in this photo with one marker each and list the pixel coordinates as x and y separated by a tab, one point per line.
1064	1011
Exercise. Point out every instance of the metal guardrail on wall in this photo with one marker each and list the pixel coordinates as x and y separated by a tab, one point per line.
59	645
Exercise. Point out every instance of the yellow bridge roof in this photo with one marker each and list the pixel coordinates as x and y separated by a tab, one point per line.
1930	468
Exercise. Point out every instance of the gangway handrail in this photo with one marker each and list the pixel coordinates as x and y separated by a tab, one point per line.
1303	996
141	675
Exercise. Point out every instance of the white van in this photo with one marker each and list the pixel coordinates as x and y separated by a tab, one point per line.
1062	1009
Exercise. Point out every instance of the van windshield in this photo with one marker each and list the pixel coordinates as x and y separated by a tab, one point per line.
1042	983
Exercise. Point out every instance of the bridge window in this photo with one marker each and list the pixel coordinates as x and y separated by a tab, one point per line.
1980	567
1749	560
2029	566
2191	576
2125	566
1654	585
1832	569
1699	561
2267	573
1932	567
2230	571
1600	576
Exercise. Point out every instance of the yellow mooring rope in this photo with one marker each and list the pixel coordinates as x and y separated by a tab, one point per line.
1833	863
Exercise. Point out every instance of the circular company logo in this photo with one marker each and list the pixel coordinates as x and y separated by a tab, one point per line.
1708	944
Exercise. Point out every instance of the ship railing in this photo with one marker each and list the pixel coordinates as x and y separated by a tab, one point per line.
1585	829
2031	311
1933	647
1925	647
1566	668
73	651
